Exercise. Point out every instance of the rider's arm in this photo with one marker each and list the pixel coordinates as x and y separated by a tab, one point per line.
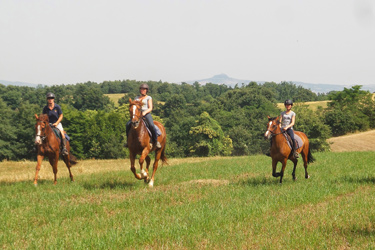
58	120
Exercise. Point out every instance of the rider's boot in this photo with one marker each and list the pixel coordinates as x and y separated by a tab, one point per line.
64	151
295	153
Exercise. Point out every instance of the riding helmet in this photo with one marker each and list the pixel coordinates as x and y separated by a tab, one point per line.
144	86
50	95
287	102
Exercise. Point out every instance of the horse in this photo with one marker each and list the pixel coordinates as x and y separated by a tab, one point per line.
139	143
281	152
48	145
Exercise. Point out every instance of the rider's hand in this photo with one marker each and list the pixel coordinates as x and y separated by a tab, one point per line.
55	124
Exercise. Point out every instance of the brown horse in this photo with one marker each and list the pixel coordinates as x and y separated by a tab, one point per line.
281	152
139	143
49	145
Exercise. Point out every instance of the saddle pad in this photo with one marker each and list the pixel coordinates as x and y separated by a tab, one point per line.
58	134
158	132
297	139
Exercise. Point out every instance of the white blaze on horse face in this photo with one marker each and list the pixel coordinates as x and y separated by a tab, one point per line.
269	125
37	138
134	107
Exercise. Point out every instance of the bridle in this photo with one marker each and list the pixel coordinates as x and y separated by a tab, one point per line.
273	133
41	132
135	118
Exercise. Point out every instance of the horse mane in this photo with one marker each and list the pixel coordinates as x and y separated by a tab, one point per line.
135	102
43	118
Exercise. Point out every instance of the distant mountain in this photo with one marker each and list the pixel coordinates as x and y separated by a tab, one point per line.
317	88
18	83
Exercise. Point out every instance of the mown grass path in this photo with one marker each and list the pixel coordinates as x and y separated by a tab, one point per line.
200	203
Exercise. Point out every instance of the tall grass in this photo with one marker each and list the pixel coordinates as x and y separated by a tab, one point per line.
211	203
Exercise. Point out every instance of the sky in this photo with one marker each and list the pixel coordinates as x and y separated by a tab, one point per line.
73	41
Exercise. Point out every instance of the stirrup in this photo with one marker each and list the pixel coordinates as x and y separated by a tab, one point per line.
295	154
64	151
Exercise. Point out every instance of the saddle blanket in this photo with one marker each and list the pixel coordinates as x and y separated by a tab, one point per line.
58	134
297	140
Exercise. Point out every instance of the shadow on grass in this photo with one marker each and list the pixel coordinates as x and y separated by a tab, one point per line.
258	182
109	185
361	180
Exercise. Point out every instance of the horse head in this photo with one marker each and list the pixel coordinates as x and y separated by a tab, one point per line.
135	110
272	127
41	124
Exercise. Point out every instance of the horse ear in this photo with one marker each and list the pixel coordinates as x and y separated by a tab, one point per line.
130	100
36	116
269	118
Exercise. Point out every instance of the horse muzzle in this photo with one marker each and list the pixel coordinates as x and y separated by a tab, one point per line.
38	140
135	124
267	135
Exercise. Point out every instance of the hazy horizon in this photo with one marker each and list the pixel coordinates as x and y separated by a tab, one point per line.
67	42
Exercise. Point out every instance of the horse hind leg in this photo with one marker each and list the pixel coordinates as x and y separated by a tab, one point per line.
68	165
155	167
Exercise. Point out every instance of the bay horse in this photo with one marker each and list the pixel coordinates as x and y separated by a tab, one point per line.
281	152
139	143
48	145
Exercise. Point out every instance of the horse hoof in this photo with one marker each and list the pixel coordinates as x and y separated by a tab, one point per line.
307	177
151	184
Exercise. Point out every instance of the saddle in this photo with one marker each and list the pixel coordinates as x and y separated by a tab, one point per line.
297	140
58	134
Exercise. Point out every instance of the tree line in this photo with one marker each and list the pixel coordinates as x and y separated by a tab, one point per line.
200	120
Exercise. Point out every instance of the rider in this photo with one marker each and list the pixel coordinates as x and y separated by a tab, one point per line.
146	113
55	116
287	120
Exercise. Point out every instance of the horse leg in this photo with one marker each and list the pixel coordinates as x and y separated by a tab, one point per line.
305	161
54	161
274	165
155	167
295	161
68	165
37	169
132	167
145	173
283	169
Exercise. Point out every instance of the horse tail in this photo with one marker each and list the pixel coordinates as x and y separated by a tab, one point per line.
310	158
72	159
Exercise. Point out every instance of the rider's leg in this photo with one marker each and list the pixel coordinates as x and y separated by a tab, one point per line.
64	151
152	127
291	134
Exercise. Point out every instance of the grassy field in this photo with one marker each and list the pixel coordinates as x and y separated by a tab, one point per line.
311	105
114	98
363	141
197	203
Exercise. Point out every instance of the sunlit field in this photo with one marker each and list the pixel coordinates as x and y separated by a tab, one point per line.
115	97
311	105
196	203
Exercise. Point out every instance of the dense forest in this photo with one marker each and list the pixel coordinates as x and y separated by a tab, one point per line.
201	120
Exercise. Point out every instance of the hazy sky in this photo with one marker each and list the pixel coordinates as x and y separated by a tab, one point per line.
71	41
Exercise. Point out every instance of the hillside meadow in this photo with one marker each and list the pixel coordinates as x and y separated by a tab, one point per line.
196	203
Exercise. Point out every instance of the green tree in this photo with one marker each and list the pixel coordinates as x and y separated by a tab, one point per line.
209	139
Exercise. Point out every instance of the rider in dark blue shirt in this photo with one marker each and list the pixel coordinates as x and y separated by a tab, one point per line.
55	116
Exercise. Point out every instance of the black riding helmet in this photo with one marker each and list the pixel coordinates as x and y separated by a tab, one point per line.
287	102
144	86
50	95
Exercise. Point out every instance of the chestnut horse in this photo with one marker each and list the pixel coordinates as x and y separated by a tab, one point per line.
49	145
139	143
281	152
